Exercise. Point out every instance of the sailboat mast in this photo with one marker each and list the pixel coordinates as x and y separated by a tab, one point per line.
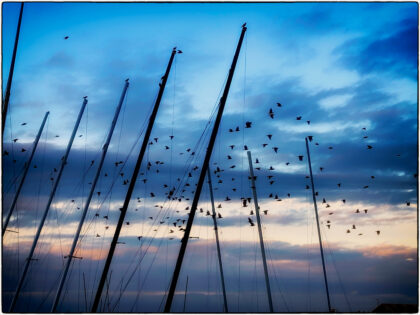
225	306
317	224
47	208
209	151
89	198
132	184
12	69
257	213
185	295
25	172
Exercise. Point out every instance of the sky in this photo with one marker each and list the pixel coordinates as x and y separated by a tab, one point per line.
349	70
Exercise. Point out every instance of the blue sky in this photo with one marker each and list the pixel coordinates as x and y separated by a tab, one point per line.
341	66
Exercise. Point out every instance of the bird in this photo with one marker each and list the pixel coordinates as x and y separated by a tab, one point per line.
328	226
248	124
230	130
300	157
232	146
179	51
310	138
308	122
251	222
275	149
219	216
66	37
271	113
364	187
245	147
369	147
298	117
264	145
6	152
357	211
23	124
57	136
265	212
287	163
339	185
330	148
378	232
23	150
152	194
244	203
279	104
354	227
237	128
348	231
321	169
14	140
269	136
365	210
408	203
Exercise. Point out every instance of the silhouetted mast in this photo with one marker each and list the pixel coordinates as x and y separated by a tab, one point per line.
132	184
47	208
25	172
317	224
184	240
89	198
257	214
12	68
217	241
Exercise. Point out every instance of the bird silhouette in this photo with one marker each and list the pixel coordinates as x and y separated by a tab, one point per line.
308	122
300	157
298	117
251	222
310	138
14	140
23	124
219	216
179	51
248	124
369	147
232	146
271	113
378	232
275	149
279	104
66	37
23	150
265	212
269	136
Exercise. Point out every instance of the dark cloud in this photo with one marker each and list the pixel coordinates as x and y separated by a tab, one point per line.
396	53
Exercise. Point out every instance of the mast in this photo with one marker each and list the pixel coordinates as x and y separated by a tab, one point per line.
41	224
225	306
185	295
12	68
132	184
184	240
257	213
25	172
317	224
89	198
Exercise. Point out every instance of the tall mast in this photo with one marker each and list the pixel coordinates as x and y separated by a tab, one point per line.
257	213
47	208
25	172
12	68
89	198
225	306
184	240
317	224
132	184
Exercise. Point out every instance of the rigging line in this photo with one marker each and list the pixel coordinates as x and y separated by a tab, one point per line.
180	183
335	267
155	233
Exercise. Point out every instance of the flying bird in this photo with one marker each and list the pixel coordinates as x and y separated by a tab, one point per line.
251	222
369	147
300	157
66	37
179	51
279	104
298	117
248	124
271	113
269	136
23	124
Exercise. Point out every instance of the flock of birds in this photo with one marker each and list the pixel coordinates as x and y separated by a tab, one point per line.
171	192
